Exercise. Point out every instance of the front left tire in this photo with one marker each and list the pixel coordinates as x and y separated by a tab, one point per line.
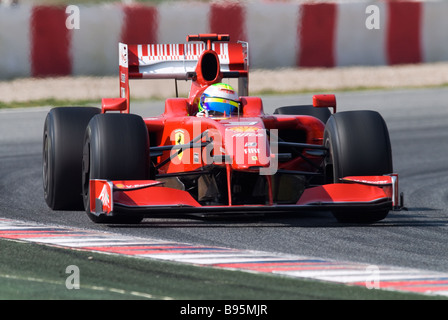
359	145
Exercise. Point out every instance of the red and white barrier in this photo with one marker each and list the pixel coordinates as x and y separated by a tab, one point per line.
15	45
36	41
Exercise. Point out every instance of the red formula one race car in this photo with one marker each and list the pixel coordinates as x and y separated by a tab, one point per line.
215	151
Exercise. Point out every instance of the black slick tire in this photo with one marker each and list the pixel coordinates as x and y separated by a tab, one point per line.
116	147
359	145
63	137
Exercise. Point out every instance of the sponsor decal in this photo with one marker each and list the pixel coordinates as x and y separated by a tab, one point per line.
196	158
123	59
244	129
251	151
132	185
243	123
250	144
105	198
179	138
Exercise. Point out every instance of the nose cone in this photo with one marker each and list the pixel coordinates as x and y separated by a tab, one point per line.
248	145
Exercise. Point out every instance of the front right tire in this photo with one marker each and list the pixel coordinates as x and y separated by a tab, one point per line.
116	147
62	146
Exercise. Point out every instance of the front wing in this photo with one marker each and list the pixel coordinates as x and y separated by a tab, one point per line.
150	197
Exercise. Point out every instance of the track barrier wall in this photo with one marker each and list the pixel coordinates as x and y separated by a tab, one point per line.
41	41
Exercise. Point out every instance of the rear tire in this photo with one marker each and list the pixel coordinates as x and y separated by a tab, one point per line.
359	145
116	147
63	137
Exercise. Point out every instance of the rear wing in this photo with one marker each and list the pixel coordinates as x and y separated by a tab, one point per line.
184	62
178	61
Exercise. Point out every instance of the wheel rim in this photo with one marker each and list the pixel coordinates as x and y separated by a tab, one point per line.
329	163
85	171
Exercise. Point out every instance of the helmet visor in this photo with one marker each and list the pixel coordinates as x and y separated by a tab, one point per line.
219	106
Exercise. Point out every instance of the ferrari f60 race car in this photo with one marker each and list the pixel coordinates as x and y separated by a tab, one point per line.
120	167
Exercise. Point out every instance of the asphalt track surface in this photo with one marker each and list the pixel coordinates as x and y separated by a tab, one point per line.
418	124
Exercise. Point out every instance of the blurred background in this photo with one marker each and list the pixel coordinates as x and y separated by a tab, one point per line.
67	38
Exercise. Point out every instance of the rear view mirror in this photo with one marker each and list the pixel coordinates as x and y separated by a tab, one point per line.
325	101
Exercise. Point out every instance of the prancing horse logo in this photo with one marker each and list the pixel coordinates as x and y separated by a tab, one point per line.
179	138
